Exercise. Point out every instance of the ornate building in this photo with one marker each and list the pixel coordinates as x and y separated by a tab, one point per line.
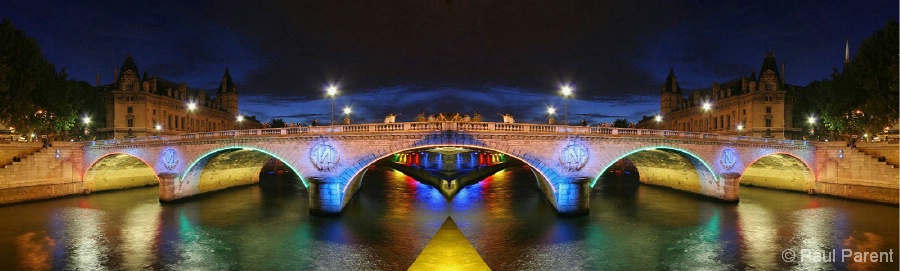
750	106
140	106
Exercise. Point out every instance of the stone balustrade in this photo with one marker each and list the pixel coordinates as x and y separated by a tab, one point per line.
456	126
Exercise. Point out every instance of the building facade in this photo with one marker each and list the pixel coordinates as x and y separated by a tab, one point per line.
758	106
141	106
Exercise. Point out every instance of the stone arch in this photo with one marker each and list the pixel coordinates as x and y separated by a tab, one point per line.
670	167
118	170
385	155
229	166
351	179
779	170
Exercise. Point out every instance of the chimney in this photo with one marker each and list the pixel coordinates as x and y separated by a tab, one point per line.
116	77
98	79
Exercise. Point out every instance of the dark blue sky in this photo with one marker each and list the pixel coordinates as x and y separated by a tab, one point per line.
448	55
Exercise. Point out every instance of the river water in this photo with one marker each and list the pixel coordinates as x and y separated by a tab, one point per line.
505	217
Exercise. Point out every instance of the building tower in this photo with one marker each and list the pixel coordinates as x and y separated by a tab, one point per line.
671	94
227	94
769	79
129	78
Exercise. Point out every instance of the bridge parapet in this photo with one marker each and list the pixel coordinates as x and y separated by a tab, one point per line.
525	128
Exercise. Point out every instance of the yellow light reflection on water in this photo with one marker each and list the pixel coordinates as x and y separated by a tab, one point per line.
139	234
759	237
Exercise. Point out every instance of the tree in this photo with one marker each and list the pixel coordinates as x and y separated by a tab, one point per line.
23	70
620	123
863	98
277	123
34	98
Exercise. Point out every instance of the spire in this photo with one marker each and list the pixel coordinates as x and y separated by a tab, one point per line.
671	85
227	84
847	53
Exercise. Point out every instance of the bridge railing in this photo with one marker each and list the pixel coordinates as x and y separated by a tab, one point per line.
453	126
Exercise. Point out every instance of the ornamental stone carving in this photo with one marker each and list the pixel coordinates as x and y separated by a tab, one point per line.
573	157
324	157
170	159
728	158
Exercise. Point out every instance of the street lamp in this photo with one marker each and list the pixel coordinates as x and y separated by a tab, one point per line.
706	107
191	106
566	91
240	120
87	121
332	90
550	112
658	121
347	111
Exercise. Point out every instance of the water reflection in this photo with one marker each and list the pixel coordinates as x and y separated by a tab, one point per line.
505	217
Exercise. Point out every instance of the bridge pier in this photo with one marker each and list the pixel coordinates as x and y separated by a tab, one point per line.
326	197
730	184
573	196
167	186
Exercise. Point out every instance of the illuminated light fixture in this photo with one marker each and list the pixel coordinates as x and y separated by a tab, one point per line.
158	127
658	118
812	120
551	110
86	120
707	106
740	127
240	118
566	90
347	110
191	106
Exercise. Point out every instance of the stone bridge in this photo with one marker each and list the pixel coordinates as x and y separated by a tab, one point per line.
566	160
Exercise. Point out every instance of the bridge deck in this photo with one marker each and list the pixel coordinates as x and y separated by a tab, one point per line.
483	127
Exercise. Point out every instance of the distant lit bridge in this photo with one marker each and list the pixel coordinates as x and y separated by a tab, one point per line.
331	160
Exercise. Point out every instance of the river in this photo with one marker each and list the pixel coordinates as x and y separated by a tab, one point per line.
509	222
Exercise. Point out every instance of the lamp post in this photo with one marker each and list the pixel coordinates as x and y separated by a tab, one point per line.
658	121
158	129
550	112
706	107
812	125
740	129
191	106
566	91
86	120
347	111
240	121
332	91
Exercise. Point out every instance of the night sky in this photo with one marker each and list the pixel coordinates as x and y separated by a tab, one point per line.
448	55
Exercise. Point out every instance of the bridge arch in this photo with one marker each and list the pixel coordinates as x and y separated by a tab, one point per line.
230	166
118	170
668	166
352	182
779	170
471	146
